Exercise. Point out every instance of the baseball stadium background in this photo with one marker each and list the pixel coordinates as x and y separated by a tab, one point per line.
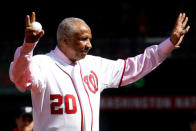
163	100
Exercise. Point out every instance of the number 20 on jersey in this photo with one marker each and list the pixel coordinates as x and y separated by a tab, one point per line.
69	102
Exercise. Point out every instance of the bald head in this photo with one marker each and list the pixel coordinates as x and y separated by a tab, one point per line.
68	27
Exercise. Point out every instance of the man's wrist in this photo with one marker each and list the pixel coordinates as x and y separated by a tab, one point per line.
28	47
173	42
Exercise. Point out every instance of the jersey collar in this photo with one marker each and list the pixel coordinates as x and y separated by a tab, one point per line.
62	56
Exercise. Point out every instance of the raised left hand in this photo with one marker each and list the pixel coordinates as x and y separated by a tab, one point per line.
180	29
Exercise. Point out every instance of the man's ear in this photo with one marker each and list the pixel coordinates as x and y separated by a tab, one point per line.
63	42
65	39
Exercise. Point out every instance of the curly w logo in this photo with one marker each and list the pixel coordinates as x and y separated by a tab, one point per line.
92	82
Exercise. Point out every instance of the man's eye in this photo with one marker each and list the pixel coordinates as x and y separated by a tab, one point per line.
83	39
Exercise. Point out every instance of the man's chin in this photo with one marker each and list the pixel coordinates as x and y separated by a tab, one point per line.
81	57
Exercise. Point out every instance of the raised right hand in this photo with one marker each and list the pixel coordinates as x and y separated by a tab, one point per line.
31	35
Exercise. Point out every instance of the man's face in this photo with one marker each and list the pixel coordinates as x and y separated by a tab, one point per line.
25	123
79	44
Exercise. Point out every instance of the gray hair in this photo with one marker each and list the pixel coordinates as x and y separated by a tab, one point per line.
67	27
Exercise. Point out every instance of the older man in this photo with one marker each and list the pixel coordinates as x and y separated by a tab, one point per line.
66	83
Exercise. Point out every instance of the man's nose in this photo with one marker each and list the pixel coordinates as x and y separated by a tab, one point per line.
89	45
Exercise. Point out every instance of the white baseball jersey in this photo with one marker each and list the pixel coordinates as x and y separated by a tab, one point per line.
67	96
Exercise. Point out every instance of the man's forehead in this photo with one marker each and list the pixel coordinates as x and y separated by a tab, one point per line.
81	27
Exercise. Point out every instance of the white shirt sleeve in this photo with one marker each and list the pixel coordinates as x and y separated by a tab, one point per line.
111	73
141	65
119	73
23	70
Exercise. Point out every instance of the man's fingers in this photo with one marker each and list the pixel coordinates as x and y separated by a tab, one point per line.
185	22
38	36
28	21
183	17
33	17
179	18
185	30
